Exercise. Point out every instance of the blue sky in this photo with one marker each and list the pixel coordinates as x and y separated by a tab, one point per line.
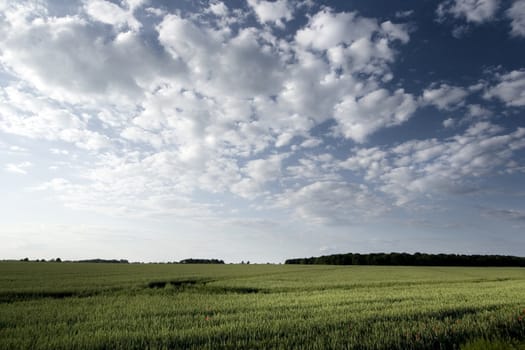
261	130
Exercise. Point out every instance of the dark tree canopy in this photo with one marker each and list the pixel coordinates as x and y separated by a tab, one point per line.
417	259
201	261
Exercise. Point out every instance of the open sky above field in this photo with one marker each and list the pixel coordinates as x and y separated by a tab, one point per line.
257	130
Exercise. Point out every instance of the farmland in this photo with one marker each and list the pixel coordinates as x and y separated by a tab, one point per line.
160	306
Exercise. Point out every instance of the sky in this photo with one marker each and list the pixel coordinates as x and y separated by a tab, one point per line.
261	130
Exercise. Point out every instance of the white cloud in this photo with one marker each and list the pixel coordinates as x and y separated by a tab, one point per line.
374	160
73	60
331	202
276	12
57	151
134	5
312	168
404	14
218	8
449	123
136	134
416	169
258	172
517	14
445	97
327	29
17	149
355	43
361	117
510	89
205	111
311	142
477	111
27	113
473	11
109	13
396	31
18	168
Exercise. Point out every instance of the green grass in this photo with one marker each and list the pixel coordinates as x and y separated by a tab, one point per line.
113	306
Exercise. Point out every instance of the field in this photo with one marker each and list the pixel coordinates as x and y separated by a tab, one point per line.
120	306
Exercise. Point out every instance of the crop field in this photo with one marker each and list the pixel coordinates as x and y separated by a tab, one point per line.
157	306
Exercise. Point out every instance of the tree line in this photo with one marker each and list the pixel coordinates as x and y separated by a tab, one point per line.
417	259
201	261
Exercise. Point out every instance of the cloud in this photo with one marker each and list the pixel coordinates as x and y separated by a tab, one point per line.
505	214
361	117
331	202
327	29
477	111
510	89
276	12
73	60
449	123
218	8
445	97
472	11
134	185
517	15
27	113
109	13
404	14
213	108
18	168
313	168
416	169
257	173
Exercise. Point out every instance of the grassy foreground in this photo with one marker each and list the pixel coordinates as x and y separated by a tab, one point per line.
113	306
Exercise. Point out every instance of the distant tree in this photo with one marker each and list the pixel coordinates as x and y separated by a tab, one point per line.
417	259
58	260
201	261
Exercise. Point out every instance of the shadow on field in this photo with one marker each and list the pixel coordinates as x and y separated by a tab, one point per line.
12	297
175	284
201	286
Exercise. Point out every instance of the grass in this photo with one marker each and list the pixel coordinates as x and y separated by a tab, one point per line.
113	306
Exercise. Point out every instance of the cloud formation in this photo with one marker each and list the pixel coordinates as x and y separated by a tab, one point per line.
510	88
253	112
516	13
472	11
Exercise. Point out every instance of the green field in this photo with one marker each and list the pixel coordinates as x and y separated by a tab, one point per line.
120	306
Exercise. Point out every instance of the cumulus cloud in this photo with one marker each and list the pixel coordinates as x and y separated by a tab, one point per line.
361	117
429	167
218	8
331	202
211	108
71	59
449	123
109	13
18	168
445	97
516	13
258	172
510	89
25	112
473	11
276	12
327	29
